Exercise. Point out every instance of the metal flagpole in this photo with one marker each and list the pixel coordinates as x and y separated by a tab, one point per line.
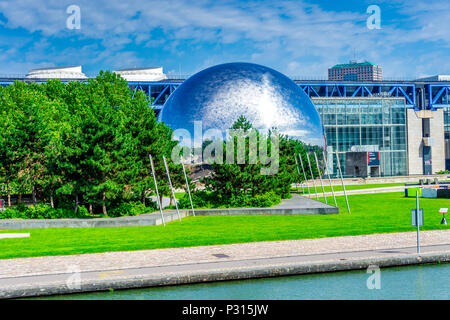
156	188
320	177
188	189
342	180
298	171
296	183
312	176
171	187
417	221
304	174
329	179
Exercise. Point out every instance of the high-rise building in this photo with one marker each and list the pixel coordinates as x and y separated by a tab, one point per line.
356	71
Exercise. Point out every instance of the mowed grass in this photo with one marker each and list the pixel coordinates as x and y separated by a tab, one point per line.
371	213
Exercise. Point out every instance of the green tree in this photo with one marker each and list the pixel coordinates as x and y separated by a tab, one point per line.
30	112
233	181
8	168
83	143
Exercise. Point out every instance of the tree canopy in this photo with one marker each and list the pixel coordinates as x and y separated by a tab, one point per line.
81	143
238	182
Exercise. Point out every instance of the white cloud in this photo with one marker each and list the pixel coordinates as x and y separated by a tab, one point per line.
296	37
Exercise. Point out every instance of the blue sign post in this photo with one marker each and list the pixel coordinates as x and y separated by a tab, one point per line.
373	158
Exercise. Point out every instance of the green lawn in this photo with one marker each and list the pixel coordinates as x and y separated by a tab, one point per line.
371	213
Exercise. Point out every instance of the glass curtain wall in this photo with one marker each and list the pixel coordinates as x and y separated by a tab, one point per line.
447	136
366	124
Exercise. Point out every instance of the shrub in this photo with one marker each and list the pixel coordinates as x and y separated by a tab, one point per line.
131	208
41	211
268	199
200	199
203	199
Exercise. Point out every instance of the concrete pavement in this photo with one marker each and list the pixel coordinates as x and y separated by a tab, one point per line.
133	269
360	191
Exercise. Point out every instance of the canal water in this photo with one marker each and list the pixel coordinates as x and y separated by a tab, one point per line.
410	282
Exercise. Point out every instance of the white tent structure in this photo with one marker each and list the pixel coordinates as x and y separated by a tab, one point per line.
72	72
439	77
142	74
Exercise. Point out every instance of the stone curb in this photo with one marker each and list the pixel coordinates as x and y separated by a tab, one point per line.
231	273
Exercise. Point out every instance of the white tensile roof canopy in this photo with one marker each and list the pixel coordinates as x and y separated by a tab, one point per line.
142	74
71	72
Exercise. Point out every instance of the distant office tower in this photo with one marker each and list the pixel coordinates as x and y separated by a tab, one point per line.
356	71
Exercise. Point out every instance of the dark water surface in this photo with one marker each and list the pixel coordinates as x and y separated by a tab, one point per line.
410	282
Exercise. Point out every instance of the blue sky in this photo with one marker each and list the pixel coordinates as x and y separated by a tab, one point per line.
298	38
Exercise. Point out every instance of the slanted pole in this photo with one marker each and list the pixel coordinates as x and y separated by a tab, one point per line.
296	183
342	181
156	189
312	176
320	177
188	189
304	174
298	171
329	179
171	187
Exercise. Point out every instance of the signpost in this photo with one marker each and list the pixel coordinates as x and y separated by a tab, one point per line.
443	211
373	158
414	217
417	219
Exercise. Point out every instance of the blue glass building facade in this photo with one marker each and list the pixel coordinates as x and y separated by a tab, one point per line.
447	136
365	125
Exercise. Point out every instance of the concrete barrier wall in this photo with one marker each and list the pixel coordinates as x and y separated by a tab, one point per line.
154	219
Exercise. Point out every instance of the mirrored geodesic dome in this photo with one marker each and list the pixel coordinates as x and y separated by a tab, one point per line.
219	95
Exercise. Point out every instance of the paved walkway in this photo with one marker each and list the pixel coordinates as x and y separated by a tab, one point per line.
233	252
300	201
134	269
359	191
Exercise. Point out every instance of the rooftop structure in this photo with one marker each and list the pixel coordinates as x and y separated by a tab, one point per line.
439	77
142	74
356	71
70	72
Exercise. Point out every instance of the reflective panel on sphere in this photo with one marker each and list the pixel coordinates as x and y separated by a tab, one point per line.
217	96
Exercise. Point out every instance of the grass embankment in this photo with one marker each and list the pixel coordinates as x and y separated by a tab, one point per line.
371	213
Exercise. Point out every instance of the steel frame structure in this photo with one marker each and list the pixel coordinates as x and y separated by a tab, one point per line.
438	93
312	89
155	90
361	89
